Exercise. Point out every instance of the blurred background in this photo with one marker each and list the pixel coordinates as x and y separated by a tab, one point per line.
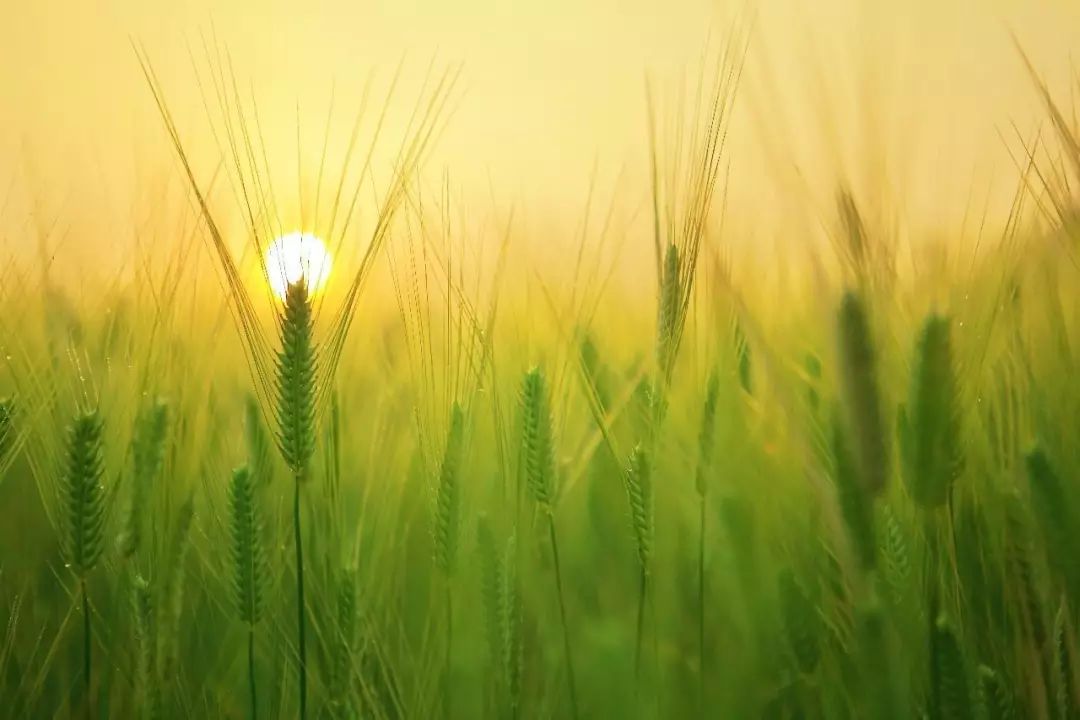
917	101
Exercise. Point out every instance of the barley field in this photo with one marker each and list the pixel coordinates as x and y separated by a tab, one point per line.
341	442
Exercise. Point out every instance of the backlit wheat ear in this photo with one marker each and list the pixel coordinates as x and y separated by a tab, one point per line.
344	644
295	414
930	428
994	696
147	452
707	432
536	438
860	395
296	381
84	498
447	499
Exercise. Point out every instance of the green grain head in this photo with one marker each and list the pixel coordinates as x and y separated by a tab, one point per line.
995	700
295	412
856	504
639	494
707	432
1052	511
860	395
929	426
668	312
249	567
83	494
537	447
448	493
147	451
951	695
142	606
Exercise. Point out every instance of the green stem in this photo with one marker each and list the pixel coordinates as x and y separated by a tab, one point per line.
640	631
701	608
86	645
251	673
562	613
300	598
447	681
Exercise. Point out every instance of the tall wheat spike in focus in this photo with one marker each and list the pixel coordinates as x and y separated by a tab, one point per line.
296	375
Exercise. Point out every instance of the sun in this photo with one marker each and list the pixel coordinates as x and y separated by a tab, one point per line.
295	256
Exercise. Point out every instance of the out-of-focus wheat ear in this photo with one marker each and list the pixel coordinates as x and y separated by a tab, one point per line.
802	624
171	604
147	451
1050	505
949	686
639	494
510	622
146	692
707	432
1064	669
1021	570
812	367
856	503
448	494
83	494
344	666
744	360
259	445
7	427
861	395
490	582
882	697
296	375
668	311
248	556
536	438
931	434
995	699
895	556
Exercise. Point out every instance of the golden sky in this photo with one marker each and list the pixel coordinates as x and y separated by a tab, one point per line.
910	98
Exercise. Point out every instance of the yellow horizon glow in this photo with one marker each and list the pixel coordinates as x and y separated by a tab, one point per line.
297	256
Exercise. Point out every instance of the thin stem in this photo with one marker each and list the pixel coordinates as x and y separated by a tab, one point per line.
251	673
86	645
300	598
701	608
562	613
448	703
642	589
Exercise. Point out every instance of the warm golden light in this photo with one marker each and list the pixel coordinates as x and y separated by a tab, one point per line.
294	256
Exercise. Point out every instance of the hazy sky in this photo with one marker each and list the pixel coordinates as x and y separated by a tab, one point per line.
909	94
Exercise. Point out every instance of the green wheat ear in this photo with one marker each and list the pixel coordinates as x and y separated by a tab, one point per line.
147	452
248	556
536	438
1050	504
856	504
801	622
929	426
707	434
994	696
145	678
668	311
84	494
860	395
948	674
639	495
344	645
296	381
7	422
447	497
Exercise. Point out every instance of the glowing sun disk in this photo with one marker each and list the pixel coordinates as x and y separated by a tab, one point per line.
295	256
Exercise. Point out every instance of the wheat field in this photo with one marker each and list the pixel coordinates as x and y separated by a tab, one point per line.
480	468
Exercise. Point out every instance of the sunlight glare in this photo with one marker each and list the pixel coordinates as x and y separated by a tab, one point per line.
294	256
